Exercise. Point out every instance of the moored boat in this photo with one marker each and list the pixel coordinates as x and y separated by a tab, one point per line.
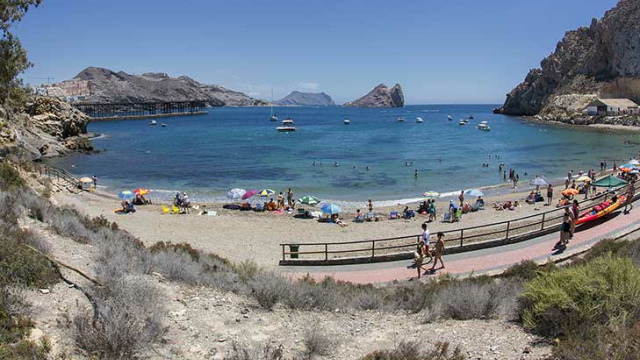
287	126
419	120
462	123
484	126
153	123
400	119
163	124
347	121
449	118
601	209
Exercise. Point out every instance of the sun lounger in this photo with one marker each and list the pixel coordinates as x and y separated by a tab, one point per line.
165	210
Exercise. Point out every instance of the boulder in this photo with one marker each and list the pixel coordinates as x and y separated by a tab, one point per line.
380	97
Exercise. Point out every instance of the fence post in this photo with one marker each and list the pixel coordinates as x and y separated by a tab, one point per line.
542	228
373	248
326	251
461	237
508	226
282	252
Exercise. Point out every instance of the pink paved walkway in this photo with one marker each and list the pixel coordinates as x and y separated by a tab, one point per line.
485	261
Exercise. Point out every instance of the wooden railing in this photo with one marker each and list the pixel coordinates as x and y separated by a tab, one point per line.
61	175
456	240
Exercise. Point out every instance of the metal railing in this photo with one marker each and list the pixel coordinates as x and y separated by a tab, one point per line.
456	240
61	175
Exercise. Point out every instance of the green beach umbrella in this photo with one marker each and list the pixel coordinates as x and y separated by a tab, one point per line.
309	200
609	181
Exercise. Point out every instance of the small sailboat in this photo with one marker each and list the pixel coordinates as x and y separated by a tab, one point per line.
163	124
153	123
419	120
273	116
400	119
287	126
347	121
449	118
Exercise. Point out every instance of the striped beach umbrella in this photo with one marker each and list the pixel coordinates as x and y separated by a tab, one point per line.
626	167
431	194
126	195
266	193
309	200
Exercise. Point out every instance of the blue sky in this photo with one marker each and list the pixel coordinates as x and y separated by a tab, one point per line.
446	51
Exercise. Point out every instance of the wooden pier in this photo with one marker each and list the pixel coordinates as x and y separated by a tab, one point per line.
118	111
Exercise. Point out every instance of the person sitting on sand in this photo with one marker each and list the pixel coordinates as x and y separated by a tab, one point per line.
125	205
271	205
531	198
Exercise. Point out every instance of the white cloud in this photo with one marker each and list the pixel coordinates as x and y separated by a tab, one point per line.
310	85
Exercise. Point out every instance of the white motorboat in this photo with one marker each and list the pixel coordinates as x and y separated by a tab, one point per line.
484	126
287	126
462	123
163	124
153	123
449	118
419	120
347	121
400	119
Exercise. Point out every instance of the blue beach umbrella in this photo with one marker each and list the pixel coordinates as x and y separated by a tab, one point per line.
331	209
473	192
126	195
266	193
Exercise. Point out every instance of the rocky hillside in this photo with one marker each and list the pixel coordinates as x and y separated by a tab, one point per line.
380	97
600	60
47	128
297	98
109	86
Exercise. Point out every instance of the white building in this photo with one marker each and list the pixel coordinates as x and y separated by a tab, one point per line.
613	107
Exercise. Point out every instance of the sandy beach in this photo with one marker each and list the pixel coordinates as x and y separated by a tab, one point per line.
249	235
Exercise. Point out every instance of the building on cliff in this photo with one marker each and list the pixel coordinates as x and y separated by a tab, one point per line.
613	107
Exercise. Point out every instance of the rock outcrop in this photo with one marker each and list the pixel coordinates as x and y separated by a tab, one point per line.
109	86
47	128
600	60
380	97
297	98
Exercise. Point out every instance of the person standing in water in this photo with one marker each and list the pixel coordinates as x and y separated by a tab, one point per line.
415	174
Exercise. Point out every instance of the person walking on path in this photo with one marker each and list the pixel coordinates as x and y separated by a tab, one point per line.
575	212
425	240
631	189
439	252
549	194
461	198
565	229
418	256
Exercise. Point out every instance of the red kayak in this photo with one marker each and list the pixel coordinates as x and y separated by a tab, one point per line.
600	210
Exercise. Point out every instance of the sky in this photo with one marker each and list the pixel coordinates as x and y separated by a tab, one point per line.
440	51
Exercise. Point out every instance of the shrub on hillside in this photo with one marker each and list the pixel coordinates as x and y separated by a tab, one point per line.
268	289
317	341
253	352
413	351
10	178
605	290
21	265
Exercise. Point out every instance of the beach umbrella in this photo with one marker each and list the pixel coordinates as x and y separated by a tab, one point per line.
266	193
309	200
331	209
584	178
235	194
609	181
126	195
141	191
86	180
431	194
249	194
473	192
540	182
626	167
569	192
634	162
634	172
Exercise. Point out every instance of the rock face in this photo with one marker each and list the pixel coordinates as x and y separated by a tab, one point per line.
108	86
297	98
380	97
48	128
601	60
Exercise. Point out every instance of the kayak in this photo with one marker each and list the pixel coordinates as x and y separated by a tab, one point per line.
600	210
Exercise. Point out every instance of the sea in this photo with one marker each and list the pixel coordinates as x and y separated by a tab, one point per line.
374	157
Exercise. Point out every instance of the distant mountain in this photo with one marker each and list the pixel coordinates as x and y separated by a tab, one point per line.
297	98
380	97
109	86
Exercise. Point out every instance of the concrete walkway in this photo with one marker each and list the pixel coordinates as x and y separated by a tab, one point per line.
486	261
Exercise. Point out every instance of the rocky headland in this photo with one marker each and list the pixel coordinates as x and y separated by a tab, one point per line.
602	60
380	97
107	86
46	127
297	98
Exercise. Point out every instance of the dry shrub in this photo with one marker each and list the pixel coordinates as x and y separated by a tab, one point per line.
413	351
260	352
119	255
470	300
268	289
129	320
316	341
246	270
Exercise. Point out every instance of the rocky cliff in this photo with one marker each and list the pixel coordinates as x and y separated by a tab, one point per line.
297	98
45	128
109	86
380	97
602	60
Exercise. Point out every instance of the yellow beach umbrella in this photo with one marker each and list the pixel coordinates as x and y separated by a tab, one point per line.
86	180
584	178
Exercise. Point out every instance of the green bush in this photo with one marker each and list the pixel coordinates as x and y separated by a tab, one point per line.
25	350
21	265
603	292
10	178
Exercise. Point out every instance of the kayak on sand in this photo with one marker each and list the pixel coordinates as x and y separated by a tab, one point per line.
601	209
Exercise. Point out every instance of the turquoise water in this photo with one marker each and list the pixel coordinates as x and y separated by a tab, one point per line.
238	147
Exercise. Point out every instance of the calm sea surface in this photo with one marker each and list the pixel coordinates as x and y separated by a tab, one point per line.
238	147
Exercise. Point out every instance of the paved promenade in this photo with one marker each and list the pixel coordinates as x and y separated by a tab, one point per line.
486	261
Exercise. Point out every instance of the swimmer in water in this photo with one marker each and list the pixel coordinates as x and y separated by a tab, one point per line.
415	174
335	163
368	167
